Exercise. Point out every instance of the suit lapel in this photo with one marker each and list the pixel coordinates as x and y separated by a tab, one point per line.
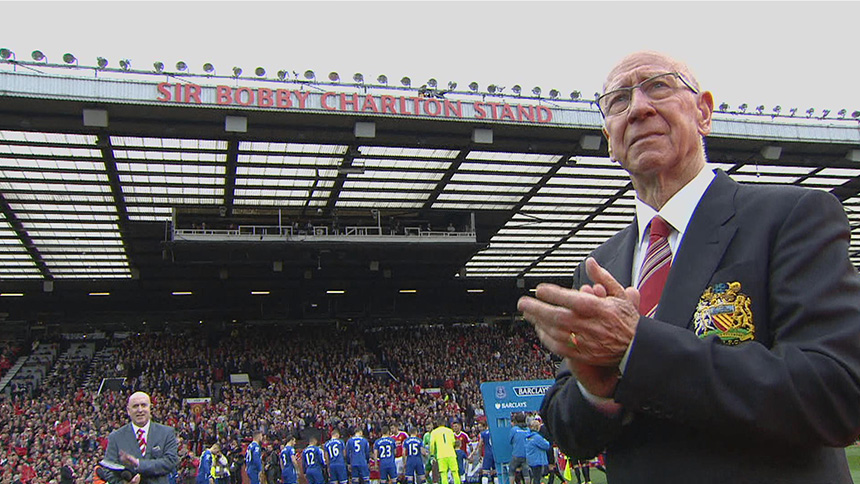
619	261
708	234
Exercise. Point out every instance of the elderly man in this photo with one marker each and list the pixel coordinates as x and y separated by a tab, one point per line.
148	449
717	338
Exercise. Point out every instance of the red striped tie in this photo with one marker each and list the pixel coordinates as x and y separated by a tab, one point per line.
655	267
141	441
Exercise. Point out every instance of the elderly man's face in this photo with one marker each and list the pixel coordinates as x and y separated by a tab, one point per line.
139	409
662	136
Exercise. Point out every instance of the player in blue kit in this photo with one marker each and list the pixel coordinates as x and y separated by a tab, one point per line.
313	461
288	463
414	450
518	435
488	463
357	455
385	450
204	469
334	454
254	458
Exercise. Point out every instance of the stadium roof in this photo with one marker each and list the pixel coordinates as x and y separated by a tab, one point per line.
143	187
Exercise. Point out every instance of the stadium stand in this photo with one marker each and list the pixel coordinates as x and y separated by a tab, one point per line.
302	382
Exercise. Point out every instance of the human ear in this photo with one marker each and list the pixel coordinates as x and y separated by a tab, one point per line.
705	105
608	143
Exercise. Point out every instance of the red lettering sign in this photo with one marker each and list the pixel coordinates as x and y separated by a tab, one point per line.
192	91
282	99
264	98
225	95
302	97
249	98
324	101
435	110
388	105
352	102
163	91
544	114
452	110
480	112
369	104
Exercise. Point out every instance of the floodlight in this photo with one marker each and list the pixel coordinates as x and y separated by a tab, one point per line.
855	114
743	107
825	113
406	81
382	79
759	108
5	54
208	68
181	66
809	112
159	66
777	109
792	111
517	89
724	107
452	85
536	91
358	77
69	58
473	86
38	56
553	93
237	71
101	62
491	88
333	76
575	95
432	82
842	112
125	64
260	72
282	75
309	75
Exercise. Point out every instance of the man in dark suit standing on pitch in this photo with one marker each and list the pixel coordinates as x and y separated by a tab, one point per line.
148	449
717	338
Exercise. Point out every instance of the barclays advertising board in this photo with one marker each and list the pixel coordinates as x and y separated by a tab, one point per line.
503	398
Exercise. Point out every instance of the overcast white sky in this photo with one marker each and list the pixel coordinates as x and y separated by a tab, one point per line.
796	54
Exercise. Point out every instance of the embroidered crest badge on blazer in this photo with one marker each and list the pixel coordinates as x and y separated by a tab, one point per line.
724	311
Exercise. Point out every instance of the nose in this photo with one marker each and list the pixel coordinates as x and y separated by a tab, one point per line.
640	105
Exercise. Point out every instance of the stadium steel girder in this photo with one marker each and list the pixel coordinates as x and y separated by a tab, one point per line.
343	168
24	237
103	142
230	175
445	179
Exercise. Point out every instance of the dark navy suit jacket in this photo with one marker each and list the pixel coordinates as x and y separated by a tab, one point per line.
777	408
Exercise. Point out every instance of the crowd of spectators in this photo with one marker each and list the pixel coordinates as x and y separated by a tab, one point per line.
303	381
9	351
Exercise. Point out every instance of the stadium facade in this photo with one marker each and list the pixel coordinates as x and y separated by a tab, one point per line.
130	195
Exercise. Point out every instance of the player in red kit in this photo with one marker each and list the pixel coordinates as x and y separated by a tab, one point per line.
399	437
461	447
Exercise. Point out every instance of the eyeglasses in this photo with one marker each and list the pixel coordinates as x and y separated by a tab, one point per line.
655	88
